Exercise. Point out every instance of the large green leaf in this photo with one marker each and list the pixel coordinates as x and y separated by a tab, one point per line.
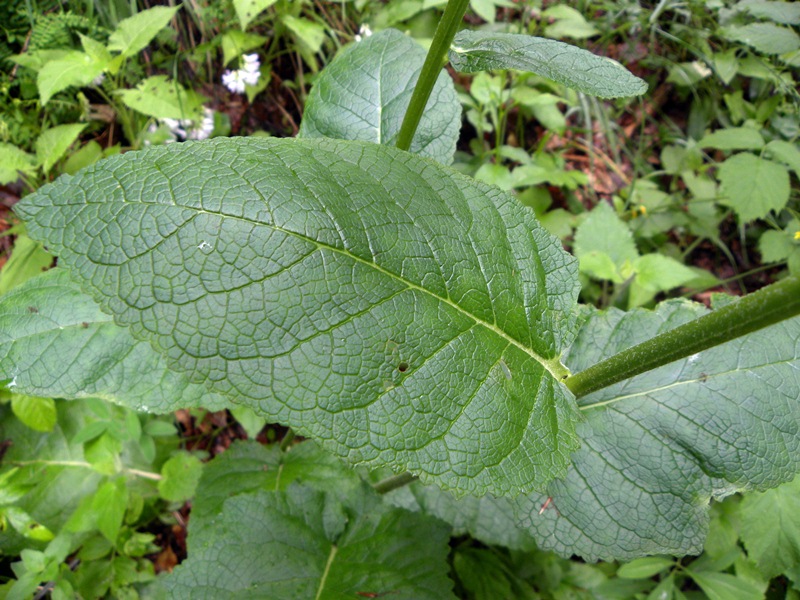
56	342
303	543
364	93
579	69
134	33
656	448
342	288
753	186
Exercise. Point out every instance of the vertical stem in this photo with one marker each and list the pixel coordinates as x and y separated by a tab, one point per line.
287	440
436	59
765	307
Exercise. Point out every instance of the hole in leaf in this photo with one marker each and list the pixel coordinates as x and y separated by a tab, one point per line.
402	367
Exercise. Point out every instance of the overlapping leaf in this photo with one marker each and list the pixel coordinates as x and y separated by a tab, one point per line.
579	69
55	342
399	312
364	93
304	543
656	448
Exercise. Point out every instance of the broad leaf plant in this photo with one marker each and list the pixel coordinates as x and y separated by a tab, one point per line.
411	321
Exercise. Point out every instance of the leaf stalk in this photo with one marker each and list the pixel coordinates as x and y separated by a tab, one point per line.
394	482
755	311
434	61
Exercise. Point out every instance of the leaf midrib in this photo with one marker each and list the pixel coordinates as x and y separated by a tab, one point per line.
549	365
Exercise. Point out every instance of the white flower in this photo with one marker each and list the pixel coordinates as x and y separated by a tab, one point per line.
99	79
363	32
248	74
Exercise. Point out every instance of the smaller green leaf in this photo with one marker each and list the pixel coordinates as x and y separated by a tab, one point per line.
108	505
134	33
249	420
753	186
721	586
247	10
309	33
180	476
74	69
28	259
96	50
644	568
764	37
163	98
733	138
567	22
603	244
37	413
235	43
770	527
656	273
87	155
12	162
303	543
784	152
571	66
52	144
778	11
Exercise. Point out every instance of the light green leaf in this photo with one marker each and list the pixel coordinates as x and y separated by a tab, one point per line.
753	186
571	66
247	10
764	37
786	153
384	69
108	507
306	544
733	138
28	259
658	447
37	413
48	318
47	493
309	278
656	273
776	246
180	476
163	98
13	161
779	11
74	69
770	528
235	43
309	33
251	422
722	586
567	22
134	33
86	155
603	244
52	144
644	568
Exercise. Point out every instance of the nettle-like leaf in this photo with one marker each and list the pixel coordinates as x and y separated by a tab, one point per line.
56	342
396	310
574	67
304	543
657	447
364	93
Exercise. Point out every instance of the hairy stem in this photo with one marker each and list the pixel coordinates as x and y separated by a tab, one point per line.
395	481
434	61
765	307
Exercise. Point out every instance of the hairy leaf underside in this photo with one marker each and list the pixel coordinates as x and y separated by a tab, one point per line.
397	311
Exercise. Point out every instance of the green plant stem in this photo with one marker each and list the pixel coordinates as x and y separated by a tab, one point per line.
765	307
394	482
84	465
287	440
434	61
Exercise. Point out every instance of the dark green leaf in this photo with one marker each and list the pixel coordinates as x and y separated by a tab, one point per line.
575	68
364	93
306	544
332	286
